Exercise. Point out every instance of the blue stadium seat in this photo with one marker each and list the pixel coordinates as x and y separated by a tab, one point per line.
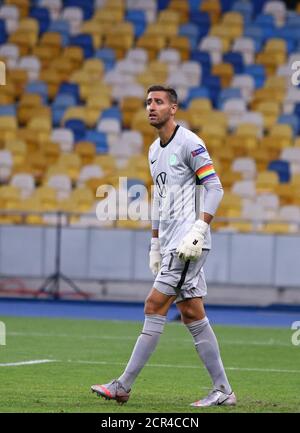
61	102
112	113
267	23
71	89
202	57
202	21
291	119
226	5
213	83
87	7
290	35
108	57
258	73
258	6
42	16
162	4
196	92
236	59
139	21
131	182
282	168
100	140
62	27
191	31
39	87
3	34
293	21
78	128
245	9
8	110
85	41
228	93
194	4
255	32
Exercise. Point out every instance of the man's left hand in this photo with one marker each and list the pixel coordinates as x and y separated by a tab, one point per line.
190	248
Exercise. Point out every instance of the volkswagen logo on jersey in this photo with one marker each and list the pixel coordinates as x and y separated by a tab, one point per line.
161	184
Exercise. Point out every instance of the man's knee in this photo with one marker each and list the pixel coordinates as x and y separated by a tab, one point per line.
158	303
191	310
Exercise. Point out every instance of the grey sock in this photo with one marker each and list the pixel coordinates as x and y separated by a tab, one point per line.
145	345
208	349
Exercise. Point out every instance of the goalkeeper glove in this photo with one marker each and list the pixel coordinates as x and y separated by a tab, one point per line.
154	256
190	248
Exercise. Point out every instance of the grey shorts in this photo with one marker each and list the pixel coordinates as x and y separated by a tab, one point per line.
184	279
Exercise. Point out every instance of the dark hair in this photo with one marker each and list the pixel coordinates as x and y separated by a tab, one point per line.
171	92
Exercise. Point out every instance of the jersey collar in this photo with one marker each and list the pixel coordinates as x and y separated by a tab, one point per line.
171	138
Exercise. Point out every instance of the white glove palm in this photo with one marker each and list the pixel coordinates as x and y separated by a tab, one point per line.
190	248
154	256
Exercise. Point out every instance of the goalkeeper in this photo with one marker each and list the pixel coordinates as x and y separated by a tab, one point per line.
179	247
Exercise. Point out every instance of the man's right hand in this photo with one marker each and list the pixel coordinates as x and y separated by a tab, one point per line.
154	256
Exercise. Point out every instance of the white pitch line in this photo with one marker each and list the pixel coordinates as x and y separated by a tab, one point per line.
44	361
32	362
133	338
263	370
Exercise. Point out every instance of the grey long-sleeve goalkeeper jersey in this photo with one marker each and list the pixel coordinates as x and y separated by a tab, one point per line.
185	184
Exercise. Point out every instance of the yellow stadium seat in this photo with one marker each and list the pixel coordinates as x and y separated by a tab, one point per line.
225	71
168	30
181	44
27	103
182	8
109	16
213	8
64	67
86	151
96	89
75	54
214	117
200	105
266	181
7	94
213	135
224	155
51	151
270	111
228	178
53	80
120	43
71	162
160	70
8	128
77	112
18	149
130	105
146	79
19	78
95	30
22	5
38	164
84	199
53	41
282	134
94	68
276	227
47	198
43	54
152	44
169	16
267	95
229	202
40	123
106	162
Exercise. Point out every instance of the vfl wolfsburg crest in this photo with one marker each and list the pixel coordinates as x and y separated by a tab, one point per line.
173	159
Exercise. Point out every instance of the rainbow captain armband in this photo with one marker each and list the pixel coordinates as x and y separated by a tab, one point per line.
206	172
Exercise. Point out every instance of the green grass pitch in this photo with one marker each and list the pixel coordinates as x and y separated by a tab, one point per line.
262	364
